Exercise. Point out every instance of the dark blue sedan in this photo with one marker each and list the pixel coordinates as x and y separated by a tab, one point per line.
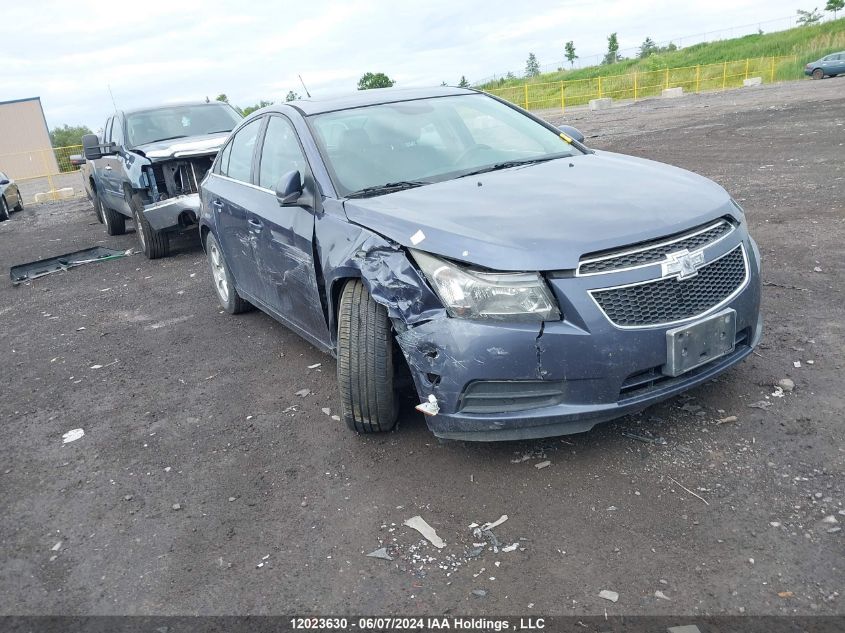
10	197
529	285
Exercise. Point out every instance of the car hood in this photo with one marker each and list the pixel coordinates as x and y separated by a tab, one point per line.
188	146
545	216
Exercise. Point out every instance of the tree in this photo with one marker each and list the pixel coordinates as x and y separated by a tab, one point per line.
648	47
806	18
532	66
68	135
374	80
292	96
222	97
463	83
261	104
612	55
834	5
569	47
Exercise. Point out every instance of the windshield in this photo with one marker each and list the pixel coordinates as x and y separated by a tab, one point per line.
179	121
429	140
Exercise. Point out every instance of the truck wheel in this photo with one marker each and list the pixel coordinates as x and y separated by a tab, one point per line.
155	244
98	207
818	73
224	283
365	362
115	222
4	210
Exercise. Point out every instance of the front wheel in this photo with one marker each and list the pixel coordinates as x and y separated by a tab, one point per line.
365	362
154	244
818	73
115	222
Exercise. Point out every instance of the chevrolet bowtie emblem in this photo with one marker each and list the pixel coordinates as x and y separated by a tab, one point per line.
682	264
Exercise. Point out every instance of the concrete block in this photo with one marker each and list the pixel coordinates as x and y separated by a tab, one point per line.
64	193
752	81
601	104
671	93
41	197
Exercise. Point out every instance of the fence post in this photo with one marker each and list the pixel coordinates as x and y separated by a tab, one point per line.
773	70
525	88
562	98
746	68
599	87
635	85
698	78
667	79
724	75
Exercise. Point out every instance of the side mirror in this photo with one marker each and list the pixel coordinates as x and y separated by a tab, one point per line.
91	148
77	160
289	189
571	132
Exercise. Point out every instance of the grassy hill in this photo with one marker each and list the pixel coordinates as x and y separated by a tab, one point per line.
805	43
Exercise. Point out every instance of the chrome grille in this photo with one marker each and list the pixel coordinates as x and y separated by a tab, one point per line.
669	300
654	252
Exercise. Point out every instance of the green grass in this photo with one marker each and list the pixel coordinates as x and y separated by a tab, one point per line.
801	44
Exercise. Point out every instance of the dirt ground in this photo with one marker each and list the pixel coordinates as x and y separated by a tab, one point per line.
278	503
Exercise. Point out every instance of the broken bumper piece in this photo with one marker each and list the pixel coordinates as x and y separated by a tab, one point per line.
173	213
496	381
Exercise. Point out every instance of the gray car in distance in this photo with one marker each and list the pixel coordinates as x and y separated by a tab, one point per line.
828	66
10	197
529	285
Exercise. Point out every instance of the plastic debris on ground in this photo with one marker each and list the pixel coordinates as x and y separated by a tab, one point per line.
72	436
609	595
418	523
60	263
380	553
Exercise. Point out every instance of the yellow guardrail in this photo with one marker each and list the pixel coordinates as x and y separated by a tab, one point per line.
45	174
639	84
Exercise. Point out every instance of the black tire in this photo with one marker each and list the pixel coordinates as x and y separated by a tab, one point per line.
154	244
365	362
115	222
4	210
818	73
19	205
98	207
228	294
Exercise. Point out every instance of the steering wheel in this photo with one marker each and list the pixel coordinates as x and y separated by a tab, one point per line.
478	147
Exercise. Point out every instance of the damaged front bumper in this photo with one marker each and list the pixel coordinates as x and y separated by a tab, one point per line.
174	213
497	381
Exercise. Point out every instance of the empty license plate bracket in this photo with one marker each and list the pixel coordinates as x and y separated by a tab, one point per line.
696	344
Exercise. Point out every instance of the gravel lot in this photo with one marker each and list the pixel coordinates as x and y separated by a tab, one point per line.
278	503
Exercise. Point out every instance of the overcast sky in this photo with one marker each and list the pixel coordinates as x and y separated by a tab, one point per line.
158	51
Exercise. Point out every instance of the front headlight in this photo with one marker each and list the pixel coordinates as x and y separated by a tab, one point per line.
471	294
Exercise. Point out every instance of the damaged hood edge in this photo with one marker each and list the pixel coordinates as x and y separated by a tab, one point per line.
547	216
183	147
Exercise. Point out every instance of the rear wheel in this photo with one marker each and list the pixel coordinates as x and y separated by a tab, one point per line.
155	244
4	210
818	73
224	283
365	362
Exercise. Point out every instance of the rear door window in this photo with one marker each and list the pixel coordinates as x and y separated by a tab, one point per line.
241	151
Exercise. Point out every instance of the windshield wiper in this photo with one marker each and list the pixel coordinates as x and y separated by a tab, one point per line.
219	131
512	163
387	187
169	138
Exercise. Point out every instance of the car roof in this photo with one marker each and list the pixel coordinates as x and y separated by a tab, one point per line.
375	96
173	105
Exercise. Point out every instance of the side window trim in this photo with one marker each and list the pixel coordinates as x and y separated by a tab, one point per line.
256	151
226	150
107	130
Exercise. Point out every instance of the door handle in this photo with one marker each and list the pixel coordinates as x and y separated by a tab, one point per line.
255	223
